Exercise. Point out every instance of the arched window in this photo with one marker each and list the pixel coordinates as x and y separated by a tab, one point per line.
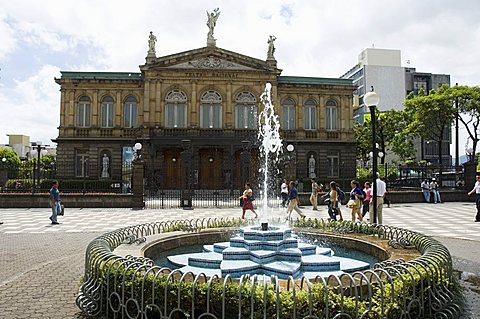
106	111
83	112
211	110
130	112
245	111
331	115
288	114
310	108
176	109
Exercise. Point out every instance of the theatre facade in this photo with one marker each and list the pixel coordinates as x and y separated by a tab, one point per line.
199	108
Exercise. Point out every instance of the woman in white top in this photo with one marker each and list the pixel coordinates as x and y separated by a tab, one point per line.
334	202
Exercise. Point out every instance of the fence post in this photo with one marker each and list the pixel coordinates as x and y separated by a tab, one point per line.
137	184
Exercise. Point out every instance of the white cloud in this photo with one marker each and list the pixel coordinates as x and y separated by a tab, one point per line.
31	107
6	35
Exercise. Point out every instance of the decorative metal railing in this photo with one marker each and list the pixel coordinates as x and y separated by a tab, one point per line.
133	287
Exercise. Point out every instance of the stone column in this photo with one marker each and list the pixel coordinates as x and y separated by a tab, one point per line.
63	108
94	111
158	104
193	105
146	103
118	110
138	184
229	118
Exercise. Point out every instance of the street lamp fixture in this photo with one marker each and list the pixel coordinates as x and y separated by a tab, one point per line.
371	100
138	148
469	153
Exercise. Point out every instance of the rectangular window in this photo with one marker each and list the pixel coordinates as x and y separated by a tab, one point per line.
107	115
176	115
245	117
211	116
288	118
310	118
331	118
81	165
332	165
130	115
83	114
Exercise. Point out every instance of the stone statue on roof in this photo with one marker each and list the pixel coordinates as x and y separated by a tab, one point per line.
151	44
271	47
211	23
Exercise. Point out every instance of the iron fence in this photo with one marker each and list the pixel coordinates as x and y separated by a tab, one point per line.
133	287
28	177
220	198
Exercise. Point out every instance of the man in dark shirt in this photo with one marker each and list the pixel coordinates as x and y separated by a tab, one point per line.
55	202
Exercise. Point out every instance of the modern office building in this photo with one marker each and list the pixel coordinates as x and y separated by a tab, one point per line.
382	69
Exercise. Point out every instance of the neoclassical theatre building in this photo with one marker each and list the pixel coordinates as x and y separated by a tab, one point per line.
205	101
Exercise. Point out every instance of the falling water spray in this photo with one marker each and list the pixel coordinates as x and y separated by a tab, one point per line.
270	144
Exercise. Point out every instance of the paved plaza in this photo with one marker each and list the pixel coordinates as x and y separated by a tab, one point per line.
41	265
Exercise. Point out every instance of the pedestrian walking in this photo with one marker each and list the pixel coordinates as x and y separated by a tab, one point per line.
381	188
435	192
284	193
293	201
356	198
476	190
366	201
247	200
55	202
334	202
425	186
314	195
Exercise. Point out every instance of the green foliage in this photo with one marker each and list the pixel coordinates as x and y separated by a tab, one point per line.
365	173
468	101
431	115
11	157
390	135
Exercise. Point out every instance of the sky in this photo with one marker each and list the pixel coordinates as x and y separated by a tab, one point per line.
319	38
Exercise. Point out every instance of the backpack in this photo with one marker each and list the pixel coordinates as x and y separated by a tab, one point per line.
341	194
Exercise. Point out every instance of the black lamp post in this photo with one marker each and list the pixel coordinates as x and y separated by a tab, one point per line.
371	100
187	162
37	150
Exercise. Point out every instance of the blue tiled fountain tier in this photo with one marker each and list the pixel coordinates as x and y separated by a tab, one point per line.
275	251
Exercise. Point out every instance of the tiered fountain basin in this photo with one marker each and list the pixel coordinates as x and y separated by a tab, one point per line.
275	251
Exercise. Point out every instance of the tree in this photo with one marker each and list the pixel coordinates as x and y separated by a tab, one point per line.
363	133
391	135
468	101
432	115
11	157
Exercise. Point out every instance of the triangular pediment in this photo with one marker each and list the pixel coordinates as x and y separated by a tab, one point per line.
210	58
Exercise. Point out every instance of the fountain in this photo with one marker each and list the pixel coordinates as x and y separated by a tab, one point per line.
266	250
273	251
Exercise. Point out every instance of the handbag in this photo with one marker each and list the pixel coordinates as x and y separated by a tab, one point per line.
352	203
62	210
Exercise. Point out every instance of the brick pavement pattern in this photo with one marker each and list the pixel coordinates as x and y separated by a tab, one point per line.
41	265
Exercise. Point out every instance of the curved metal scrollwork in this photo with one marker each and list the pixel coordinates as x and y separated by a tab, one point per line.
133	287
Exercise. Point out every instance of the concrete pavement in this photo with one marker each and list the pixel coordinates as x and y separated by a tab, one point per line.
41	265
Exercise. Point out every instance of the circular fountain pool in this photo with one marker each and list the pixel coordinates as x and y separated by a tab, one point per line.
275	251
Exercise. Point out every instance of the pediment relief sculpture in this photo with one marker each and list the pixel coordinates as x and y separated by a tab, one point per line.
211	62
